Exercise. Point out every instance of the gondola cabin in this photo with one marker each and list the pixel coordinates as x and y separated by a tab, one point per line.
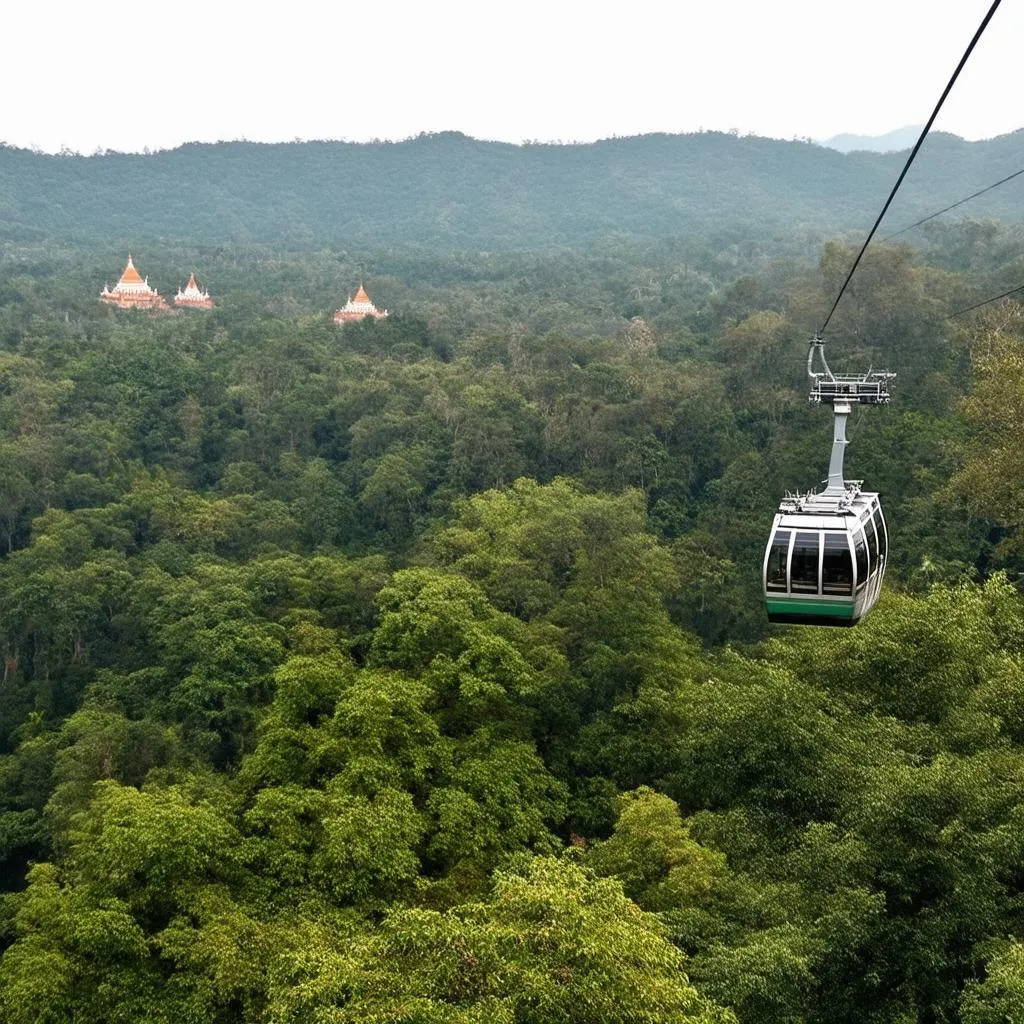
826	553
825	559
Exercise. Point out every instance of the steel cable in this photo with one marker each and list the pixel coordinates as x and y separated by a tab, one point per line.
913	153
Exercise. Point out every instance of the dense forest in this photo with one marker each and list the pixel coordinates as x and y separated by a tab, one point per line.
416	671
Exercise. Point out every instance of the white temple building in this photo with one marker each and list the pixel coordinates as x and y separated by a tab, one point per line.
358	307
132	292
192	297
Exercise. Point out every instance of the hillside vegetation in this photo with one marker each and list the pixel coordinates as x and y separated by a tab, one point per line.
447	190
415	672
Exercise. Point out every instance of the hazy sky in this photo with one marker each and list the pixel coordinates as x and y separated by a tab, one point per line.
124	76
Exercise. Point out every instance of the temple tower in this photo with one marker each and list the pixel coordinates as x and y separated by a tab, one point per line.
132	292
192	297
357	308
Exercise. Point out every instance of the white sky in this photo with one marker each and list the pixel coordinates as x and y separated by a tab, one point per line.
124	76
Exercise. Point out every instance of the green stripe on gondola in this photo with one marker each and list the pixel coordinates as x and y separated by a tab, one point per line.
842	609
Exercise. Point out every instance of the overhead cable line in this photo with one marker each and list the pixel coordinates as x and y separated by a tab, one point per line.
978	305
953	206
913	153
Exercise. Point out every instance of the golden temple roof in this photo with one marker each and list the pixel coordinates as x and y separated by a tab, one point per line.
130	275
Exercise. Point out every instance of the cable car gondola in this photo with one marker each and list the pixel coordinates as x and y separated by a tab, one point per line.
826	555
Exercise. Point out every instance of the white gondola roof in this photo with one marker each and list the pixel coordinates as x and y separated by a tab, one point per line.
830	502
798	521
824	511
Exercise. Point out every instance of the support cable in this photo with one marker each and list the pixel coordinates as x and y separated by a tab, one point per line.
913	153
952	206
978	305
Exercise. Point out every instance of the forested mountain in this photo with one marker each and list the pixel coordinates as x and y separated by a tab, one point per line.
900	138
447	190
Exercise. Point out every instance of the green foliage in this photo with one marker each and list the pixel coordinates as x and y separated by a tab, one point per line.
549	944
989	482
448	191
367	846
1000	997
353	674
652	854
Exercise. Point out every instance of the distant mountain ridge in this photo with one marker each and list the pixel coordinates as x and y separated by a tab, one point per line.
891	142
449	191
